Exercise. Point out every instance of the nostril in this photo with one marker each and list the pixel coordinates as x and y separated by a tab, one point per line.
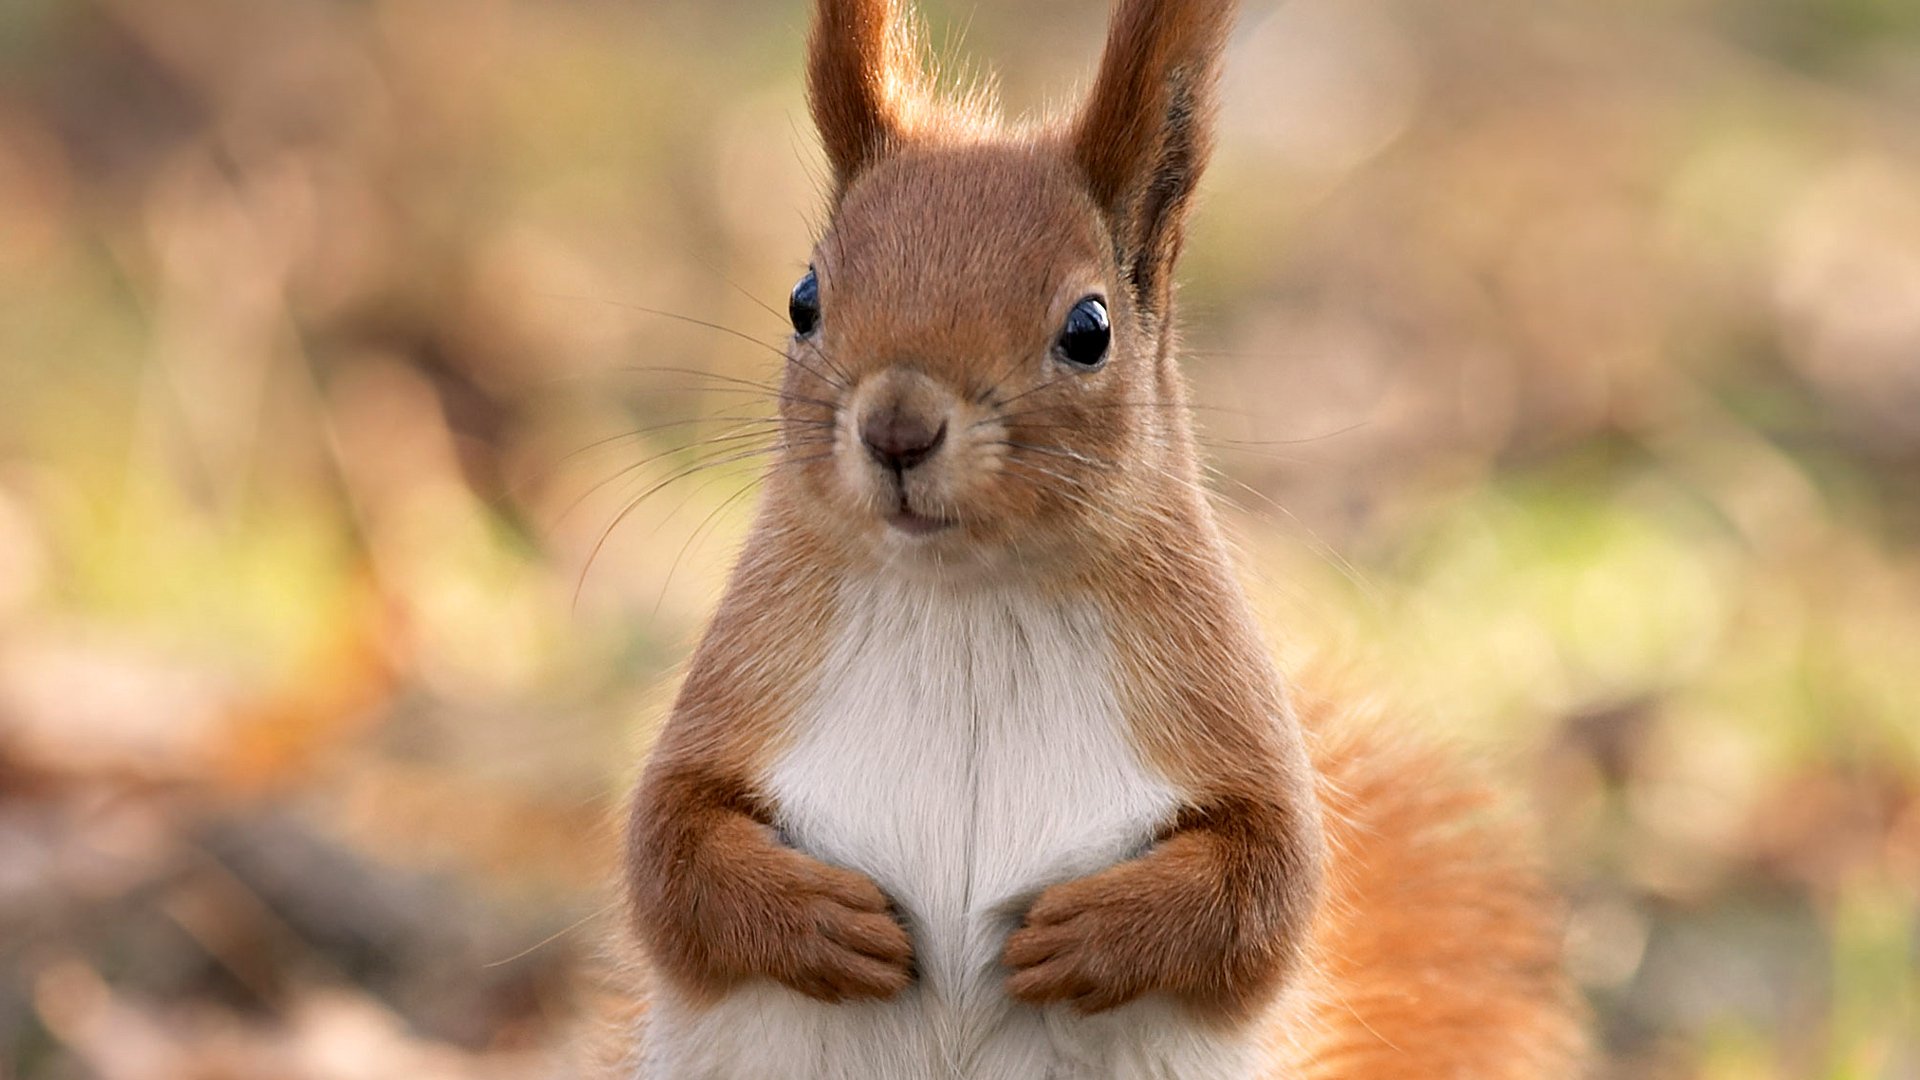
898	440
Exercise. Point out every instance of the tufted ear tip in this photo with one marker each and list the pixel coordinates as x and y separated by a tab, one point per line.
862	73
1143	138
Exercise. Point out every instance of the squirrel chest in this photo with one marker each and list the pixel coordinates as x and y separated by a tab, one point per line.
966	748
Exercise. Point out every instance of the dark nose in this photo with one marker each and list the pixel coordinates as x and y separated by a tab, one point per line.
899	439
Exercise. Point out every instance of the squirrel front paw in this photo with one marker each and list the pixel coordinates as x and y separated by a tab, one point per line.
837	939
1186	919
1173	921
1085	944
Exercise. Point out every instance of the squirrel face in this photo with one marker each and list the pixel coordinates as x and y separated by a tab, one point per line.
967	341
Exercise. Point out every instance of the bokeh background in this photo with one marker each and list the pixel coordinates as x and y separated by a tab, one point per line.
1560	361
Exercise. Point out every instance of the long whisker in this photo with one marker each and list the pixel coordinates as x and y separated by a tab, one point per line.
634	503
1055	451
840	384
1065	493
722	440
1048	384
1249	448
1095	406
1217	441
519	487
775	392
1318	545
692	537
1321	547
764	421
782	318
710	325
779	316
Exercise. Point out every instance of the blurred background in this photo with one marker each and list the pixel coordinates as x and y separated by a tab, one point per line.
1560	361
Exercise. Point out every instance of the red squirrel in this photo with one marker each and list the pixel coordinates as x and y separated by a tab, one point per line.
982	769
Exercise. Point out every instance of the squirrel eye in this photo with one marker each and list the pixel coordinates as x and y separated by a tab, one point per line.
803	305
1083	341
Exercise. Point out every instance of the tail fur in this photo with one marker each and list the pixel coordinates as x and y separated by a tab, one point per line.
1438	945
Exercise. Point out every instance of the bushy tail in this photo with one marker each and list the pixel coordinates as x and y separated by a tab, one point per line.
1438	946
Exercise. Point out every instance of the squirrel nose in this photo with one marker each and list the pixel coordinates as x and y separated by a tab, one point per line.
899	440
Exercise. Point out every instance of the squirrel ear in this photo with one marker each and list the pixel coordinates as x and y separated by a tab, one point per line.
1147	128
862	75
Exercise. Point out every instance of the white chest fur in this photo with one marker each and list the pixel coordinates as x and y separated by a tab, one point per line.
966	749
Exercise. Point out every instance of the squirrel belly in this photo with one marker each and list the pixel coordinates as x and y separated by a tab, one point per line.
966	747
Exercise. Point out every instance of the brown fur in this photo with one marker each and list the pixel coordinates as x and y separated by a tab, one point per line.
1217	912
1437	952
715	896
861	70
1147	130
1401	939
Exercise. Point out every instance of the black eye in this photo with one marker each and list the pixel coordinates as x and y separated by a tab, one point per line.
803	306
1083	341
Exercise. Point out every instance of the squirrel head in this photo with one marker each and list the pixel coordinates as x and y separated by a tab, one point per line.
982	354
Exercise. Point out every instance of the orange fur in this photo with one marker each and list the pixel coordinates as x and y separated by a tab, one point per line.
1217	912
714	894
1147	129
861	71
1398	937
1437	951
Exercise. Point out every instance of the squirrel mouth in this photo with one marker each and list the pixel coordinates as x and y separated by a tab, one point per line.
906	520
